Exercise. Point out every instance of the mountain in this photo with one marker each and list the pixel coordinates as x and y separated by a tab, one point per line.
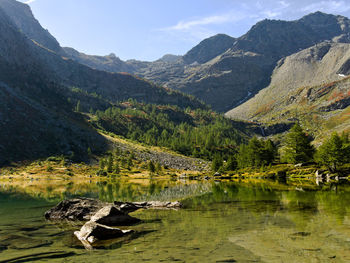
36	119
22	17
310	86
110	63
224	71
169	58
40	91
209	49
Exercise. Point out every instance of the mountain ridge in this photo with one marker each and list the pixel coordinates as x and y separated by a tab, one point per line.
219	69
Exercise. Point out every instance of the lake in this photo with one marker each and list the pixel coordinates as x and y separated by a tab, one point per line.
224	221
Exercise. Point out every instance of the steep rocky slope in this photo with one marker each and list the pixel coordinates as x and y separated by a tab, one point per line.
208	49
310	86
21	15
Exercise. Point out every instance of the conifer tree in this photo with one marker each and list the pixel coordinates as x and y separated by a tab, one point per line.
216	163
110	164
116	168
89	152
158	167
102	164
231	164
270	152
298	148
129	163
151	167
78	107
334	152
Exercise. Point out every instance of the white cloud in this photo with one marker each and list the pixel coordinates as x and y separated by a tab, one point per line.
270	13
327	6
29	2
274	12
196	29
284	4
209	20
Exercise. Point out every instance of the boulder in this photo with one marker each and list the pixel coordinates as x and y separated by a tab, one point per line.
92	232
113	216
75	209
83	209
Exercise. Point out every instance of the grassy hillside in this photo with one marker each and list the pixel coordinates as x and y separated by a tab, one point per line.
310	87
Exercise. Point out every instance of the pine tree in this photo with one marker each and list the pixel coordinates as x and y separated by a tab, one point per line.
102	164
255	152
129	163
151	167
231	164
116	168
298	148
243	156
334	152
78	107
89	152
158	167
270	152
216	163
110	164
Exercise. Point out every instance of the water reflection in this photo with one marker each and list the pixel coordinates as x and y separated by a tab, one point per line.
252	220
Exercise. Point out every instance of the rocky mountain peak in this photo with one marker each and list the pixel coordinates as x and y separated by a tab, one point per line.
23	18
169	58
209	49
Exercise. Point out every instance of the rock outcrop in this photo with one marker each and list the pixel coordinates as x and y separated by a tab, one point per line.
92	232
113	216
81	209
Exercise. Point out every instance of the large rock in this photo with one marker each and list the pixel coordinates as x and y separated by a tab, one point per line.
83	209
75	209
92	232
113	216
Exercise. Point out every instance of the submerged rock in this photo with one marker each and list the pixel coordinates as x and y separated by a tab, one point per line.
75	209
92	232
128	207
112	216
21	242
158	204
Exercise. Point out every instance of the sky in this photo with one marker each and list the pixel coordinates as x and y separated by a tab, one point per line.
148	29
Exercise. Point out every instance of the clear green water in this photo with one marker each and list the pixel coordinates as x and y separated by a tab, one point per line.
225	222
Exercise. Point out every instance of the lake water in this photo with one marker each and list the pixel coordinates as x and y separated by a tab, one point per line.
257	221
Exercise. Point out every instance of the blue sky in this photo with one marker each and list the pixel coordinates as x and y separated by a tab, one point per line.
148	29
